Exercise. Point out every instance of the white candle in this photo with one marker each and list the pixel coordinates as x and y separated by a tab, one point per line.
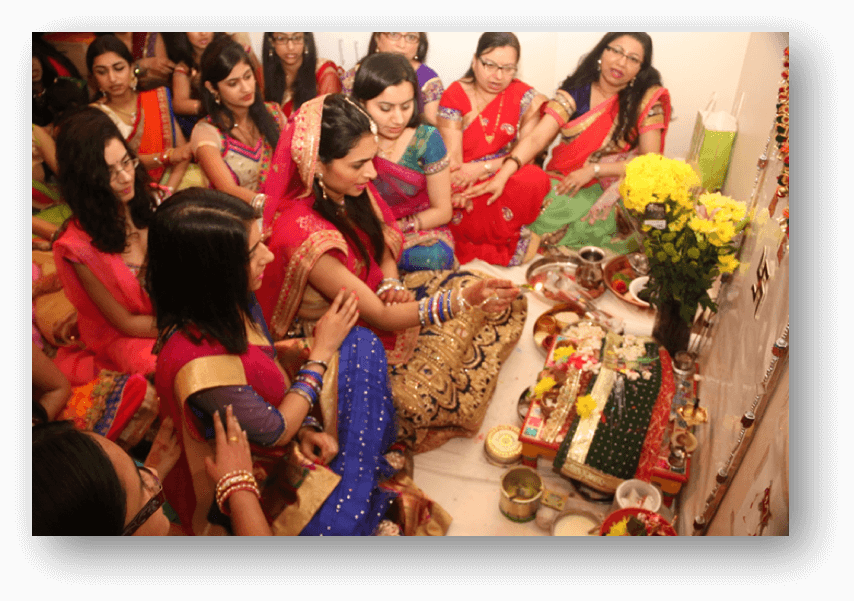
573	525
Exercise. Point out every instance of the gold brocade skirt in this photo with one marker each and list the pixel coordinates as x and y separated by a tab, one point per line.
444	389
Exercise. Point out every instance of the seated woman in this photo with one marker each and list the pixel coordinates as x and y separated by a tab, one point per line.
292	71
234	142
330	228
103	245
481	118
214	351
145	119
86	485
609	110
412	163
413	45
185	50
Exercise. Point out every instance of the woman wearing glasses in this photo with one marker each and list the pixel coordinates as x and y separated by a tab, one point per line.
86	485
413	45
481	117
609	110
292	71
234	142
102	247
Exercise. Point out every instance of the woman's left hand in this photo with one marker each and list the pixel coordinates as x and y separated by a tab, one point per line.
468	174
576	180
232	447
181	153
492	295
326	446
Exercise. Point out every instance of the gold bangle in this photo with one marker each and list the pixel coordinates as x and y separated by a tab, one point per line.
515	159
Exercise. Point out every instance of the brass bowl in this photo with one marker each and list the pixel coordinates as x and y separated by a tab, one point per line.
521	490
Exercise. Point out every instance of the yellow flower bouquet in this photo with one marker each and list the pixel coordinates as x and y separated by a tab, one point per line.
688	237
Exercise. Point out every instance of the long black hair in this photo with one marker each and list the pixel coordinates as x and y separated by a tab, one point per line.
85	180
179	49
218	60
76	490
197	269
420	54
381	70
342	126
275	79
490	40
102	45
629	97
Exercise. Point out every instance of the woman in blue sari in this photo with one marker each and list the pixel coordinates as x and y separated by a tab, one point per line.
206	259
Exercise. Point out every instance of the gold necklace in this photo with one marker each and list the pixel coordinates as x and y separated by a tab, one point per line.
386	153
250	133
484	122
130	115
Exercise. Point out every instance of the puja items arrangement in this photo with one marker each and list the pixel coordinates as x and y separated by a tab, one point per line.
600	407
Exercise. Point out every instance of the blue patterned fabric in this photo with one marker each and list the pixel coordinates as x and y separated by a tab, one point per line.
366	430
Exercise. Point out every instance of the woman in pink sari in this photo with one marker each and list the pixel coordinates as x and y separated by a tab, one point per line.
446	334
611	109
481	117
102	247
412	164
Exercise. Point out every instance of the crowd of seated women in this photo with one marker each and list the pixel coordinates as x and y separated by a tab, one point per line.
281	251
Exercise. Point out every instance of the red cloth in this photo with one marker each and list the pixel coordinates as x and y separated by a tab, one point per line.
492	232
106	346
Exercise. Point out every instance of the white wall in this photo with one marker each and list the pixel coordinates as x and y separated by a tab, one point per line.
692	64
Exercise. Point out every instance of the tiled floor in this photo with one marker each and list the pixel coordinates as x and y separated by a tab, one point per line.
458	476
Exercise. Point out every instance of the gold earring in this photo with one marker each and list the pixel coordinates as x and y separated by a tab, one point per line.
322	187
216	97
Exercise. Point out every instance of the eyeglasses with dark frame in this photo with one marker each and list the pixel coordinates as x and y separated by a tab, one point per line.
151	507
491	67
629	57
394	36
281	40
127	164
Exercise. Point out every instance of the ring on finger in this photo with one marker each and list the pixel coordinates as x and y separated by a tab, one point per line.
233	438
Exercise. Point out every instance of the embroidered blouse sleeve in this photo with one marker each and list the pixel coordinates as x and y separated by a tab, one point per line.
435	157
263	422
450	106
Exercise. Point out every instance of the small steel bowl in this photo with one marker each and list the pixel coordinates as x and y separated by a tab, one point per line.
521	490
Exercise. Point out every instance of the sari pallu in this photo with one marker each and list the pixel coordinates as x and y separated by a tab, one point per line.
403	186
153	130
103	345
586	138
494	232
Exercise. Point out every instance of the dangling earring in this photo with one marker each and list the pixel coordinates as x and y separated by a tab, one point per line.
632	82
133	83
322	187
599	65
415	57
216	97
305	50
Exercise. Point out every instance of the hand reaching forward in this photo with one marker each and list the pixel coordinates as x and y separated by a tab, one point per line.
332	328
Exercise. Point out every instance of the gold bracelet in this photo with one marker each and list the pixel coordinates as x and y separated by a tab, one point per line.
515	159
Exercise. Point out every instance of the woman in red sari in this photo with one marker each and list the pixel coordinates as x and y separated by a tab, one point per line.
330	228
481	117
609	110
292	71
102	247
